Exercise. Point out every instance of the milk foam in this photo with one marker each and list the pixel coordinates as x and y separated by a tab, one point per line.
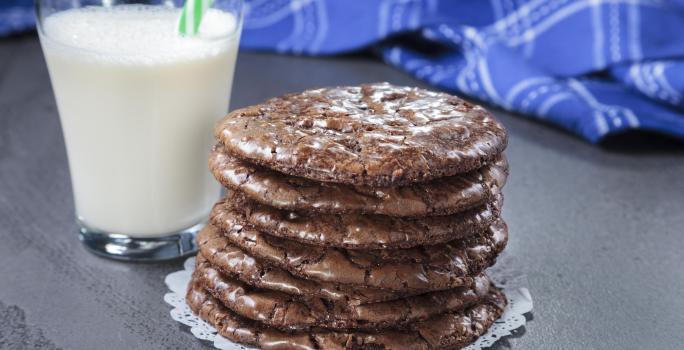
137	33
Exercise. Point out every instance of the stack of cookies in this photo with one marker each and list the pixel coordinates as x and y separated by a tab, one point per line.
354	218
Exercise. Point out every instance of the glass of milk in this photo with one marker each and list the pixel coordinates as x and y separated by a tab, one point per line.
137	103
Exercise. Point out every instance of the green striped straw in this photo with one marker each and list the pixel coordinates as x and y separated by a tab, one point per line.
191	16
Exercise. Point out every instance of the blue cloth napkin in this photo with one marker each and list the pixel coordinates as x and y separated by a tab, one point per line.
593	67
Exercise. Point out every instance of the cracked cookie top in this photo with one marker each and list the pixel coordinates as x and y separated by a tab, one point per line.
373	135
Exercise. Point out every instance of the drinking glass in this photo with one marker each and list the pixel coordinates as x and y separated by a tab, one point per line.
137	102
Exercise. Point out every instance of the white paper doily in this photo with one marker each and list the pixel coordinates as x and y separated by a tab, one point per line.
519	303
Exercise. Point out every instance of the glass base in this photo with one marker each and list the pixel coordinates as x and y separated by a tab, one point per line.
123	247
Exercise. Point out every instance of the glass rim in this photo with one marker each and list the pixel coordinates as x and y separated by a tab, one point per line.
213	39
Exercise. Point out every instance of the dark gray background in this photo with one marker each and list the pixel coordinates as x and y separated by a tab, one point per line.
598	231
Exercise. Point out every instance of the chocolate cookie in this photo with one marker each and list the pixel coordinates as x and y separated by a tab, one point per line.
451	330
423	268
441	196
374	135
356	231
232	261
288	312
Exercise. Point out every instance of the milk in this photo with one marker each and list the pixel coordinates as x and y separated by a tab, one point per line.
137	104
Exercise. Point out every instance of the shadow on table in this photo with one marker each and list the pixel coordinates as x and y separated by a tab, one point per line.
552	137
643	142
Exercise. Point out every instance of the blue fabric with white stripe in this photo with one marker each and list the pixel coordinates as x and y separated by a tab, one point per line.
593	67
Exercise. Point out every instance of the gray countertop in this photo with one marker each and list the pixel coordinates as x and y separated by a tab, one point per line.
598	232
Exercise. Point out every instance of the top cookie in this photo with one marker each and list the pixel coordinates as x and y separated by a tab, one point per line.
374	135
